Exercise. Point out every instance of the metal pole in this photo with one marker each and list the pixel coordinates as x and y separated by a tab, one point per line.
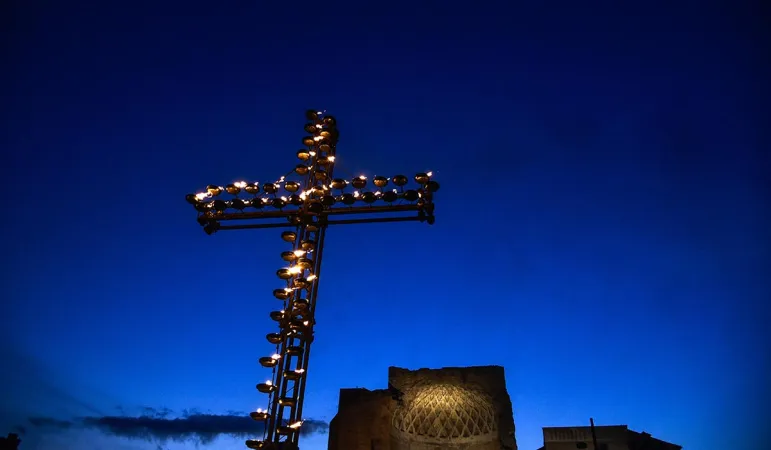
331	222
312	305
594	435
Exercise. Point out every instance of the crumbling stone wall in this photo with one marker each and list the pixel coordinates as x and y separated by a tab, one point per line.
489	380
362	421
374	420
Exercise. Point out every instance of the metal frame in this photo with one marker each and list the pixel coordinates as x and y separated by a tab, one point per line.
321	200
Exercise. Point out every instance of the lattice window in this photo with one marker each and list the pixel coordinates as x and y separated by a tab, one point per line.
446	412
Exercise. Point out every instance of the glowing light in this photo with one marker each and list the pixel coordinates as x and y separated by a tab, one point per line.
296	425
430	174
356	194
299	252
295	270
331	158
362	177
311	278
312	153
269	383
240	184
202	195
276	356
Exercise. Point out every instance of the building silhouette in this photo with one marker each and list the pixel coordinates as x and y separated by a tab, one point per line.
11	442
614	437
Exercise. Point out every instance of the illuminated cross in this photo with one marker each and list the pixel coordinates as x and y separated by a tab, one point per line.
306	206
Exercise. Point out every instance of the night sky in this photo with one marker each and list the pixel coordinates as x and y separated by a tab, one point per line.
599	227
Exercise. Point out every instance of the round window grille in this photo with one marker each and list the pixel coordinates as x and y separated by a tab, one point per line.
446	412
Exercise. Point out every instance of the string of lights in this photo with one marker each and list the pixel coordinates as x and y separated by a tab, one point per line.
306	205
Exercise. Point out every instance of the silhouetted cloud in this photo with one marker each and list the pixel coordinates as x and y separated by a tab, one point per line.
49	422
157	425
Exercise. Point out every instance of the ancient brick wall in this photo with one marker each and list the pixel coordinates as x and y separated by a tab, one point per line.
457	408
362	421
490	380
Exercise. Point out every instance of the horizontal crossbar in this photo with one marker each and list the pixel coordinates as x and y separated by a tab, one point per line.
329	222
328	212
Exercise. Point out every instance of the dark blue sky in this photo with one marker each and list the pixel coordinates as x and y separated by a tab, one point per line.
599	227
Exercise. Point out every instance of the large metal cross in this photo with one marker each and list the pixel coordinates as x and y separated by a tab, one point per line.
307	206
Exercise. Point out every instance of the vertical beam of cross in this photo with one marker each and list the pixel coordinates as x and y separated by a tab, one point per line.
307	207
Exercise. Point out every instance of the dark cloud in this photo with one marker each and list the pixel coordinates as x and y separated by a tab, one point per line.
49	422
158	426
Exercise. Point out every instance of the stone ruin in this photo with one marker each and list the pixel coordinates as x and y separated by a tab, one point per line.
454	408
